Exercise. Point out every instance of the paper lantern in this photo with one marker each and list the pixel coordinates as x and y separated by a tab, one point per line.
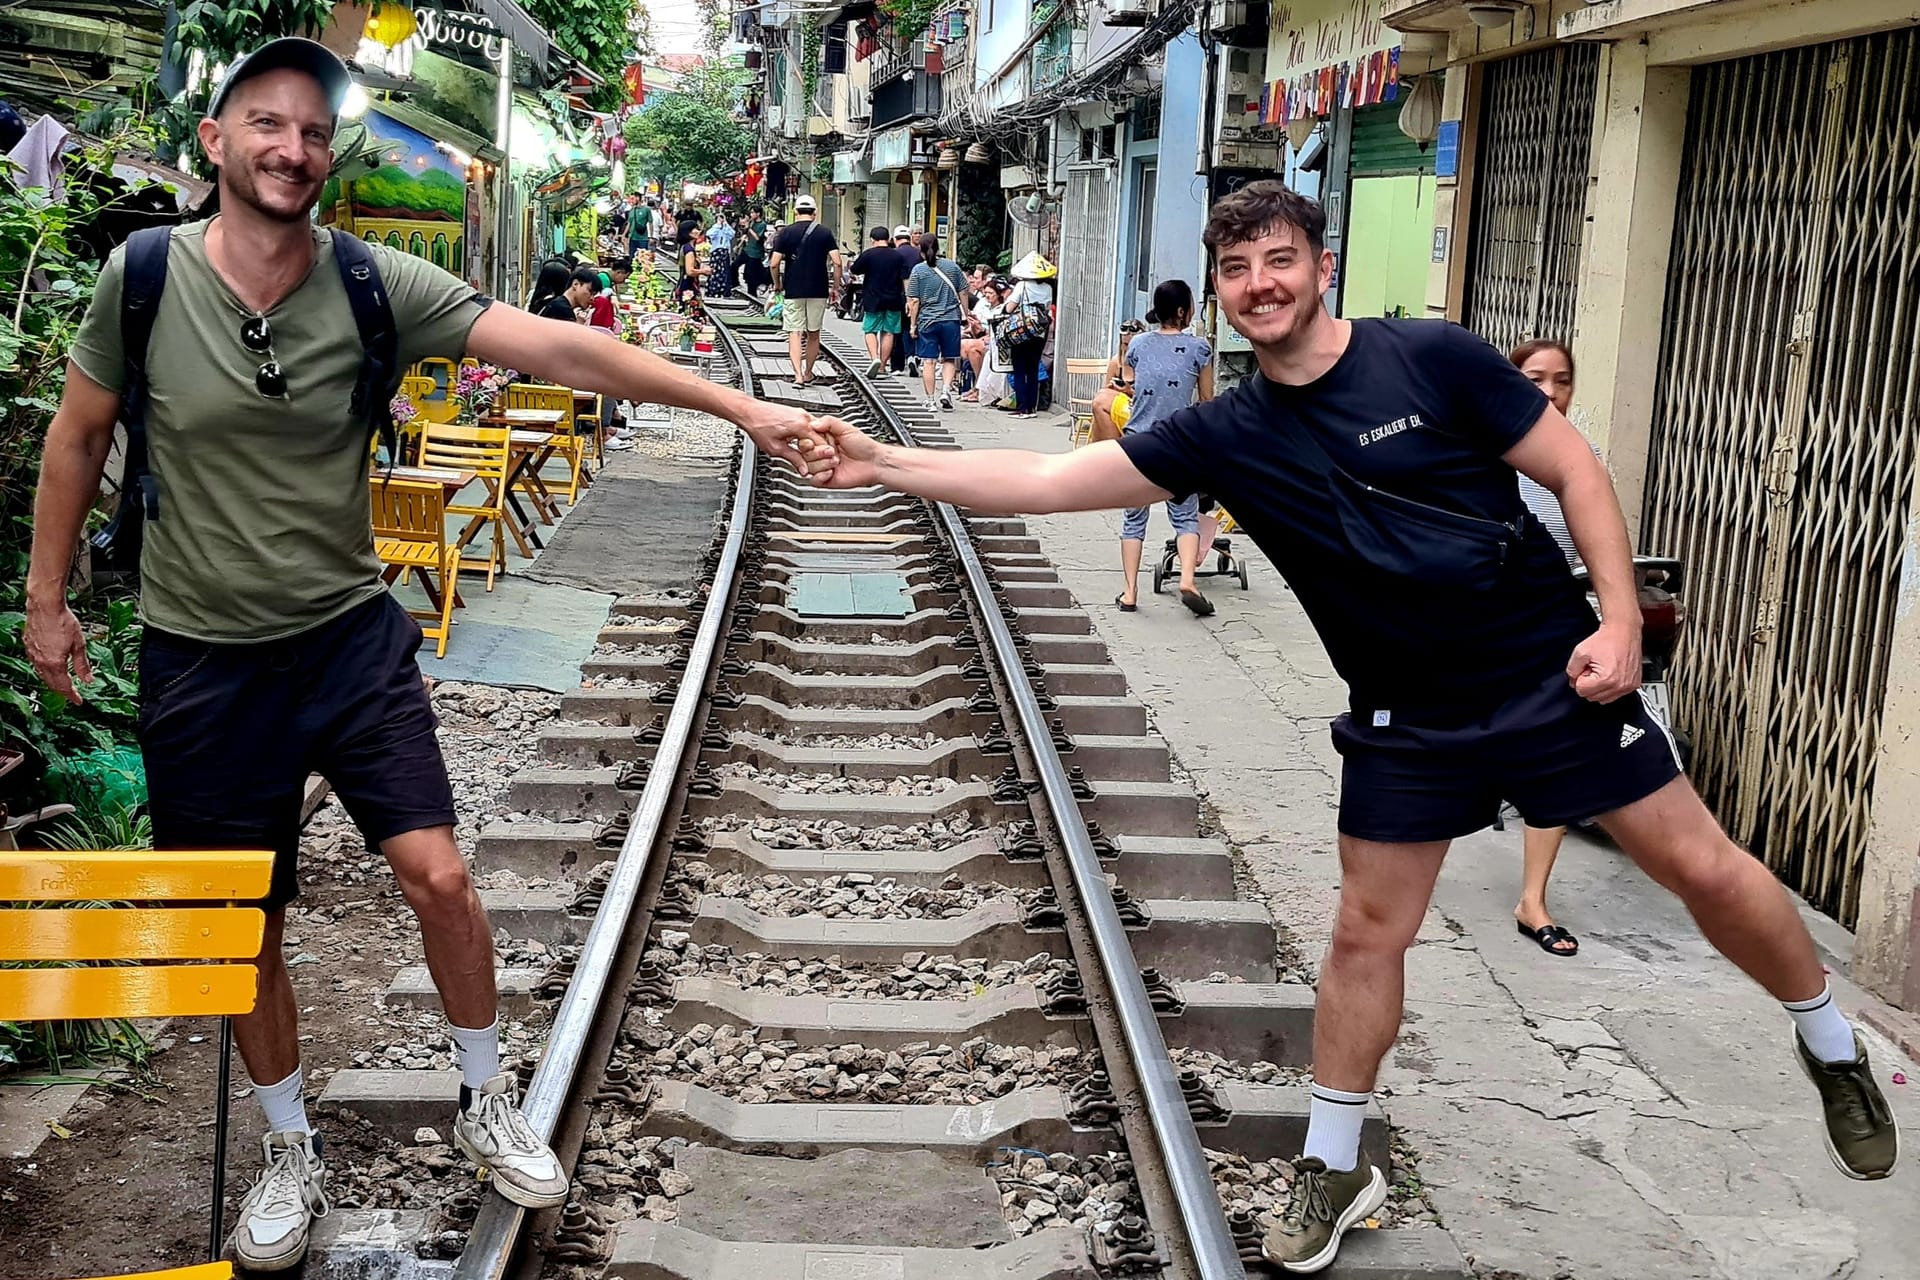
390	25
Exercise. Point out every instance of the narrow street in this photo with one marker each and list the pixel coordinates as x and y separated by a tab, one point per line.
1636	1101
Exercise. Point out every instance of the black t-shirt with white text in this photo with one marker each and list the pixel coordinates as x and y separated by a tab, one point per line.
806	246
883	285
1423	410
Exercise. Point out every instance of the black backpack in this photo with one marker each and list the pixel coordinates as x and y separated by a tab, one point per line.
145	280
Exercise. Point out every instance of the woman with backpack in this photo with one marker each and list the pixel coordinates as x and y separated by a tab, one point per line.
1026	317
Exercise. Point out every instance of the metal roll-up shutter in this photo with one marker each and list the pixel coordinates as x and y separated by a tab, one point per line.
1380	150
1785	424
1530	194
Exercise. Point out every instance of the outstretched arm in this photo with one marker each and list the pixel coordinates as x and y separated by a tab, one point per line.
574	356
994	481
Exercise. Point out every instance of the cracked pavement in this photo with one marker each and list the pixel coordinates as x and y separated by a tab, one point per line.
1630	1112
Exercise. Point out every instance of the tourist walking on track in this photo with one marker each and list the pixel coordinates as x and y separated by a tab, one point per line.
805	265
1169	367
1373	461
883	299
272	649
936	301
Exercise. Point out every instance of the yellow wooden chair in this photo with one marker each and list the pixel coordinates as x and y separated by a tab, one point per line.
409	533
568	443
436	405
1080	408
191	957
485	451
588	426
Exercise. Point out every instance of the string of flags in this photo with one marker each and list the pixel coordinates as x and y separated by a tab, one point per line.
1363	82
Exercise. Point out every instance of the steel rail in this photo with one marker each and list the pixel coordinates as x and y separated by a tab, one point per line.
498	1227
1214	1251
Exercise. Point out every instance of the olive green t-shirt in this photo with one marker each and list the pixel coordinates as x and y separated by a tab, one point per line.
264	527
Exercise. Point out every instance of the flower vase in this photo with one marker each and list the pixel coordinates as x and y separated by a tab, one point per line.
686	342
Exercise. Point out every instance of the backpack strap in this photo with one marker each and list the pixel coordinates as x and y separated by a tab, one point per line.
143	280
380	370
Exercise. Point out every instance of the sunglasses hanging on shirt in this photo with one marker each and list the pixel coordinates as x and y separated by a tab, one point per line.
256	335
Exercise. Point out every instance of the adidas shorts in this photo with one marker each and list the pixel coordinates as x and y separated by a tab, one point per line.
1557	757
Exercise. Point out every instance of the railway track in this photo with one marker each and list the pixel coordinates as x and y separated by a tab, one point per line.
893	949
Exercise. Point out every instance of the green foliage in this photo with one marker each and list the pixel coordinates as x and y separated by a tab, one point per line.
678	137
812	38
983	213
911	17
717	82
34	717
604	34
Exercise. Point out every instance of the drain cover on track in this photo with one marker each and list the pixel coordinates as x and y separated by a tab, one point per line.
850	595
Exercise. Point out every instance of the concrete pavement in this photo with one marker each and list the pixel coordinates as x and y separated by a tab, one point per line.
1632	1112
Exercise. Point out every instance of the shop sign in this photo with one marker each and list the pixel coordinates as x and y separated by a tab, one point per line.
893	149
1308	35
1325	55
460	31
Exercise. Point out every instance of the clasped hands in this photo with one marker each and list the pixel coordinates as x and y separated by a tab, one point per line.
829	452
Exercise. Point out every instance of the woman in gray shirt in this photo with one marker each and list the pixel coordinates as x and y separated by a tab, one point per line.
1171	369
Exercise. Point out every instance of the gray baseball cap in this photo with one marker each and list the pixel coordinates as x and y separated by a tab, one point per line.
292	52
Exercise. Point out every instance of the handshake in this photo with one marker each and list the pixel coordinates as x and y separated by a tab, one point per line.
829	452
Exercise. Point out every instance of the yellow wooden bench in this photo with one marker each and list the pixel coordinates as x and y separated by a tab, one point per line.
187	952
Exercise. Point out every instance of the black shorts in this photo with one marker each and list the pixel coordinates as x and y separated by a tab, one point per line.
1557	757
230	733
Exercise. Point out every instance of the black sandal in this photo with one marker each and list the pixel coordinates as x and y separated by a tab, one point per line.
1551	938
1199	604
1121	600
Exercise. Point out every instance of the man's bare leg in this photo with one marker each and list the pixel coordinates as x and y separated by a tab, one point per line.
269	1037
1384	890
1745	912
813	351
453	925
797	352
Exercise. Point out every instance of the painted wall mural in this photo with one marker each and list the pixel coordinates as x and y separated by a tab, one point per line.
414	201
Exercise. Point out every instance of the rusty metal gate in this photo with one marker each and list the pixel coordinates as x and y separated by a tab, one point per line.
1530	194
1782	460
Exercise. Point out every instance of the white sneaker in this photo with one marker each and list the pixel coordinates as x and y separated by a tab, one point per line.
278	1213
933	406
498	1138
946	398
618	443
875	369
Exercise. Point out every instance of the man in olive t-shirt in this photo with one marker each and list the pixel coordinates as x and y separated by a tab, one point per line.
271	649
231	560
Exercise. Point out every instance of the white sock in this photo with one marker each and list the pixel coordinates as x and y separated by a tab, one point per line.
477	1053
1823	1028
285	1104
1333	1126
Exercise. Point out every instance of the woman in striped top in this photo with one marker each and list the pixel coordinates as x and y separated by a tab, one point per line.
1549	366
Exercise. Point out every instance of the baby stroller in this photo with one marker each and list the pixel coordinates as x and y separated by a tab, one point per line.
1226	564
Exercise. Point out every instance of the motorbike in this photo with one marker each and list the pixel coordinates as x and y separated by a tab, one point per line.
1661	581
848	307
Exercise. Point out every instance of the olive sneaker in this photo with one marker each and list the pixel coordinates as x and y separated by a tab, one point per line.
1861	1136
277	1214
498	1138
1321	1206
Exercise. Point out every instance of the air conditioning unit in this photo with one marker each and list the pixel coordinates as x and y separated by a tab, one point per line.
1224	15
1143	80
862	117
1127	13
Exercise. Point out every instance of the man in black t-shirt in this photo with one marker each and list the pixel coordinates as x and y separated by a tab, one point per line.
883	299
1374	462
904	244
806	266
